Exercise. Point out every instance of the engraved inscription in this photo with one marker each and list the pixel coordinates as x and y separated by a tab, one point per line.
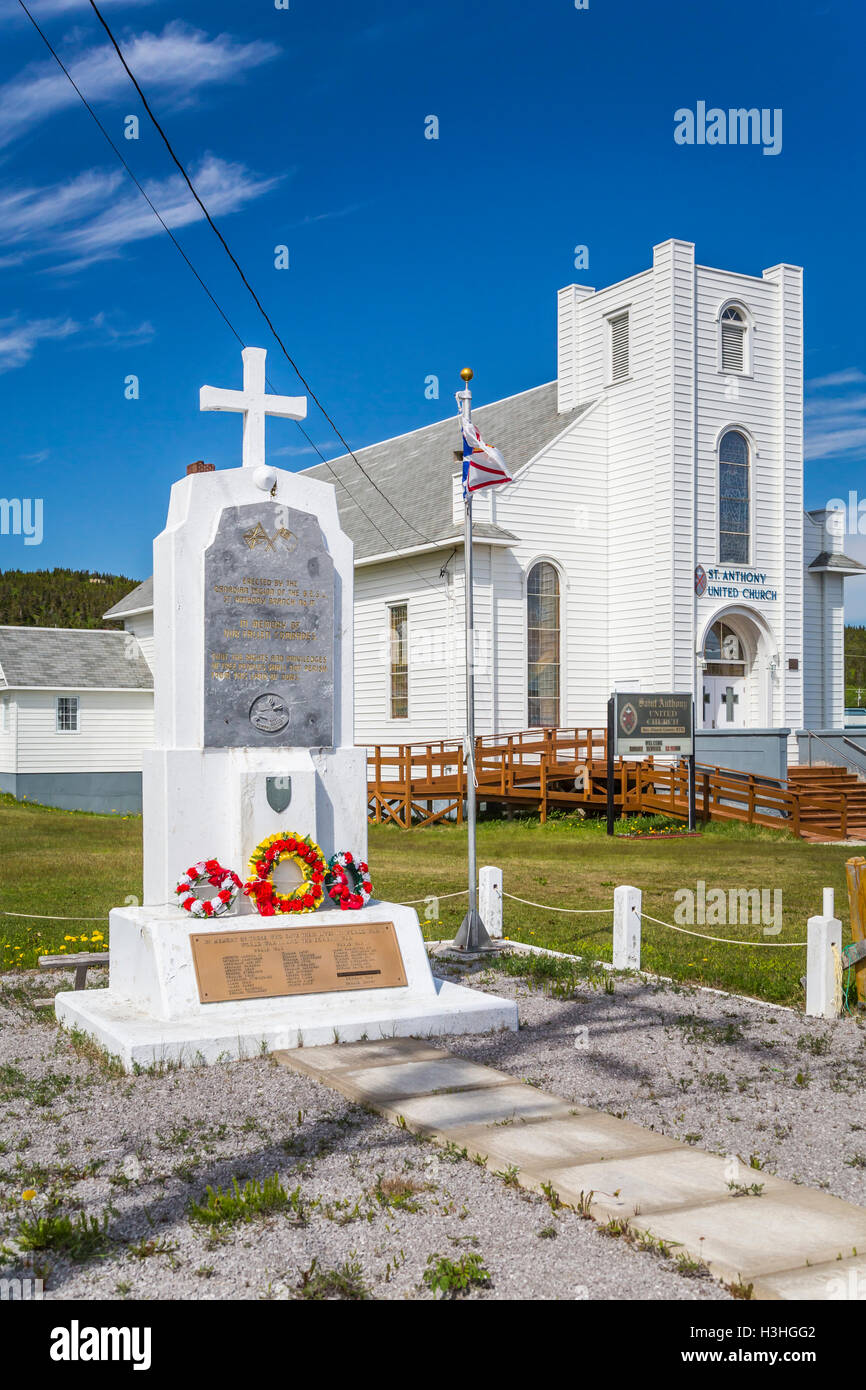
296	960
269	630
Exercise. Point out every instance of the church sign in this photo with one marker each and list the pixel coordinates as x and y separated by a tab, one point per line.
723	581
648	724
269	631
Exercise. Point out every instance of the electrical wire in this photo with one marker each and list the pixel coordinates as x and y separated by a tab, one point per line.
223	315
215	229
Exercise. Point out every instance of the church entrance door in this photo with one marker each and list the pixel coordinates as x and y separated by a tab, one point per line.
724	702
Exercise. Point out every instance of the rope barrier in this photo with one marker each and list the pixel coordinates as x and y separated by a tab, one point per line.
725	940
42	917
440	897
577	911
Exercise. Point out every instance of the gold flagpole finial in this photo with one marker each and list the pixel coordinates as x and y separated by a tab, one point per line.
467	373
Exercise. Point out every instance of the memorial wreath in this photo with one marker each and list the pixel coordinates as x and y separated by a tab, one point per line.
348	881
308	894
210	871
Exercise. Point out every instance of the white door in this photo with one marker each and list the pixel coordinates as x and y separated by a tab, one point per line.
724	702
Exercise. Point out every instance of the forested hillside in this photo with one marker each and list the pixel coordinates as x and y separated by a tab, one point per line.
59	598
855	665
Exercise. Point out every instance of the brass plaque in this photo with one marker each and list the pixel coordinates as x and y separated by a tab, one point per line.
296	960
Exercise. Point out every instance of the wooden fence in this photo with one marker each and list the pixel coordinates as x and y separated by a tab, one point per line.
418	784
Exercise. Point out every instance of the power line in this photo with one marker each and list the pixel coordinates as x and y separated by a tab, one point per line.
215	229
340	482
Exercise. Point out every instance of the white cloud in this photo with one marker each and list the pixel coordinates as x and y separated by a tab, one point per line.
18	341
836	417
846	377
173	64
58	9
112	329
93	216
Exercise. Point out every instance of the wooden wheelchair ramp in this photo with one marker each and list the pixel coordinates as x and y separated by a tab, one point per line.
419	784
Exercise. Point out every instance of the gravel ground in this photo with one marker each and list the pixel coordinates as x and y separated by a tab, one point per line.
140	1148
731	1075
375	1203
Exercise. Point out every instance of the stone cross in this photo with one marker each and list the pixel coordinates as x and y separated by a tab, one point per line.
254	404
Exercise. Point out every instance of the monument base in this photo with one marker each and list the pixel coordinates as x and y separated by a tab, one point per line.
152	1012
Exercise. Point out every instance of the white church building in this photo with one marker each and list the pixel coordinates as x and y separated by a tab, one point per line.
654	537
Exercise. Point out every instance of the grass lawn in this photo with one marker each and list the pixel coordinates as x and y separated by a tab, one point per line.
71	863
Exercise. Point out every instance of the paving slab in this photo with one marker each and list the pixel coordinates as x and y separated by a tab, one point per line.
840	1280
789	1242
439	1115
672	1177
377	1084
546	1146
341	1057
748	1236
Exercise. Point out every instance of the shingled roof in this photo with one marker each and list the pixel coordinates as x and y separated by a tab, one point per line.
415	470
833	561
71	659
141	597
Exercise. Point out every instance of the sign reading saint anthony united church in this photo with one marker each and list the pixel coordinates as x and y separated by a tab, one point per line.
269	631
646	724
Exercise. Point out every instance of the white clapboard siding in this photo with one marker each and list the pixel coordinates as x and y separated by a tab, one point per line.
568	483
114	727
435	647
8	725
141	627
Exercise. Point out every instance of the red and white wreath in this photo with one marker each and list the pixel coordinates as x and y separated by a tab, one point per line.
348	882
226	882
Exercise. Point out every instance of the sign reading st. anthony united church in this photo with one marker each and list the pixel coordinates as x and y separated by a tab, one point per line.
268	631
646	724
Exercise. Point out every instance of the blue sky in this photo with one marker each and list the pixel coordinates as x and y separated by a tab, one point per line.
408	256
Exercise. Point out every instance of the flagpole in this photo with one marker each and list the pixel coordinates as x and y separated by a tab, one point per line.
472	936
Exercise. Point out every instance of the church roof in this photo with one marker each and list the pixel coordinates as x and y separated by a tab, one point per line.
59	658
415	471
138	599
833	562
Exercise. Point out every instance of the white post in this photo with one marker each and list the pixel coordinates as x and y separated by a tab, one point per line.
490	899
822	935
626	927
828	908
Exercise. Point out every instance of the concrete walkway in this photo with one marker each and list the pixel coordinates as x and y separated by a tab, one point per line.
789	1242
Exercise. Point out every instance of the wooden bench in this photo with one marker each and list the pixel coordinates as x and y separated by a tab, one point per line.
80	962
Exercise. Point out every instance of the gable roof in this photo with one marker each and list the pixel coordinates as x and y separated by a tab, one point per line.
60	658
416	469
137	600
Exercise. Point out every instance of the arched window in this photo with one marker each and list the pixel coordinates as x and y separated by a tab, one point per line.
733	499
542	634
733	348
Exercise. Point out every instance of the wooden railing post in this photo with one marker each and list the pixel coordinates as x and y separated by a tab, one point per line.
855	873
407	774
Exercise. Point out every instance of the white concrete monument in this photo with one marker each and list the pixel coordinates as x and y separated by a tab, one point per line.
254	735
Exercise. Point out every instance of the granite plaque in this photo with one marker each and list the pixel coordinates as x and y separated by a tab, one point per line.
268	631
296	960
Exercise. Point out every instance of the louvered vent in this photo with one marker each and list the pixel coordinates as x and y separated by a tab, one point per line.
733	341
619	347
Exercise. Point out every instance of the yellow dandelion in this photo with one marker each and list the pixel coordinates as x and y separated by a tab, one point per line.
28	1194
